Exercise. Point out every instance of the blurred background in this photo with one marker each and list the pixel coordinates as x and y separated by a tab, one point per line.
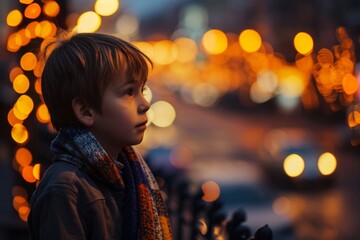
253	103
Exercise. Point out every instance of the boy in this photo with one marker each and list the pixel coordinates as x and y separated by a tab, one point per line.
98	186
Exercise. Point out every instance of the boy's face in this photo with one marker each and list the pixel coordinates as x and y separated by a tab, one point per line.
123	118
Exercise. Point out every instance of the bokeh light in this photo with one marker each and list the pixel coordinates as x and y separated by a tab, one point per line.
19	133
23	156
36	171
166	52
187	49
106	7
13	119
42	114
294	165
32	11
27	174
26	1
28	61
45	29
350	84
88	22
21	83
214	42
327	163
14	18
250	40
24	104
163	114
211	191
51	8
14	72
303	43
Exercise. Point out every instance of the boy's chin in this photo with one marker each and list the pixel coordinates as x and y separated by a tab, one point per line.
138	141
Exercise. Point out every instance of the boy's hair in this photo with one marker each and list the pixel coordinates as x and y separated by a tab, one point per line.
81	66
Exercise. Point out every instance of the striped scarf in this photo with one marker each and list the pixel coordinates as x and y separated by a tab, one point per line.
144	212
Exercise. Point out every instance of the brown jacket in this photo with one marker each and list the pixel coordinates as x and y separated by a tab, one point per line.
69	204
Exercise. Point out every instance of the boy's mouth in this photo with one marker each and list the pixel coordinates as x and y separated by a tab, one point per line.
141	125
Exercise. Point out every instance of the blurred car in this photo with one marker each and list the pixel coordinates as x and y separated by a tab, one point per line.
239	185
293	157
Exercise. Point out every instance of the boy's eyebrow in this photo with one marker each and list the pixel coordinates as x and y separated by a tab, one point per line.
130	82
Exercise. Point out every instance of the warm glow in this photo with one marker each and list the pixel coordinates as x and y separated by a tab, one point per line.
163	114
166	52
325	57
303	43
354	119
88	22
304	63
12	119
19	133
211	191
28	61
106	7
36	171
24	104
23	38
294	165
26	1
351	121
37	86
19	201
23	157
146	48
214	42
45	29
21	84
250	40
32	11
350	84
187	49
18	114
14	18
24	213
51	8
27	174
357	116
292	82
30	29
38	69
14	42
327	163
42	114
14	73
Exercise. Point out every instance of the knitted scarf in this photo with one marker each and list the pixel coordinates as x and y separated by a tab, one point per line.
145	216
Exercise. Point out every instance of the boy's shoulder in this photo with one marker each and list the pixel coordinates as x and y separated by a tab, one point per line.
68	179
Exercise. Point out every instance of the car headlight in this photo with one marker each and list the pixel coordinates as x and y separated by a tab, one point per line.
327	163
294	165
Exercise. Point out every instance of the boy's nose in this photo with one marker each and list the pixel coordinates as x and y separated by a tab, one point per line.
144	105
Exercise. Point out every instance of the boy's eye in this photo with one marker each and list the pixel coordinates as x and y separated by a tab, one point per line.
130	92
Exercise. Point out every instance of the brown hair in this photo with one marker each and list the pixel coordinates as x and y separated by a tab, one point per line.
81	66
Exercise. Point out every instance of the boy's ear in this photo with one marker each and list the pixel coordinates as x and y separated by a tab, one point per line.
83	112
